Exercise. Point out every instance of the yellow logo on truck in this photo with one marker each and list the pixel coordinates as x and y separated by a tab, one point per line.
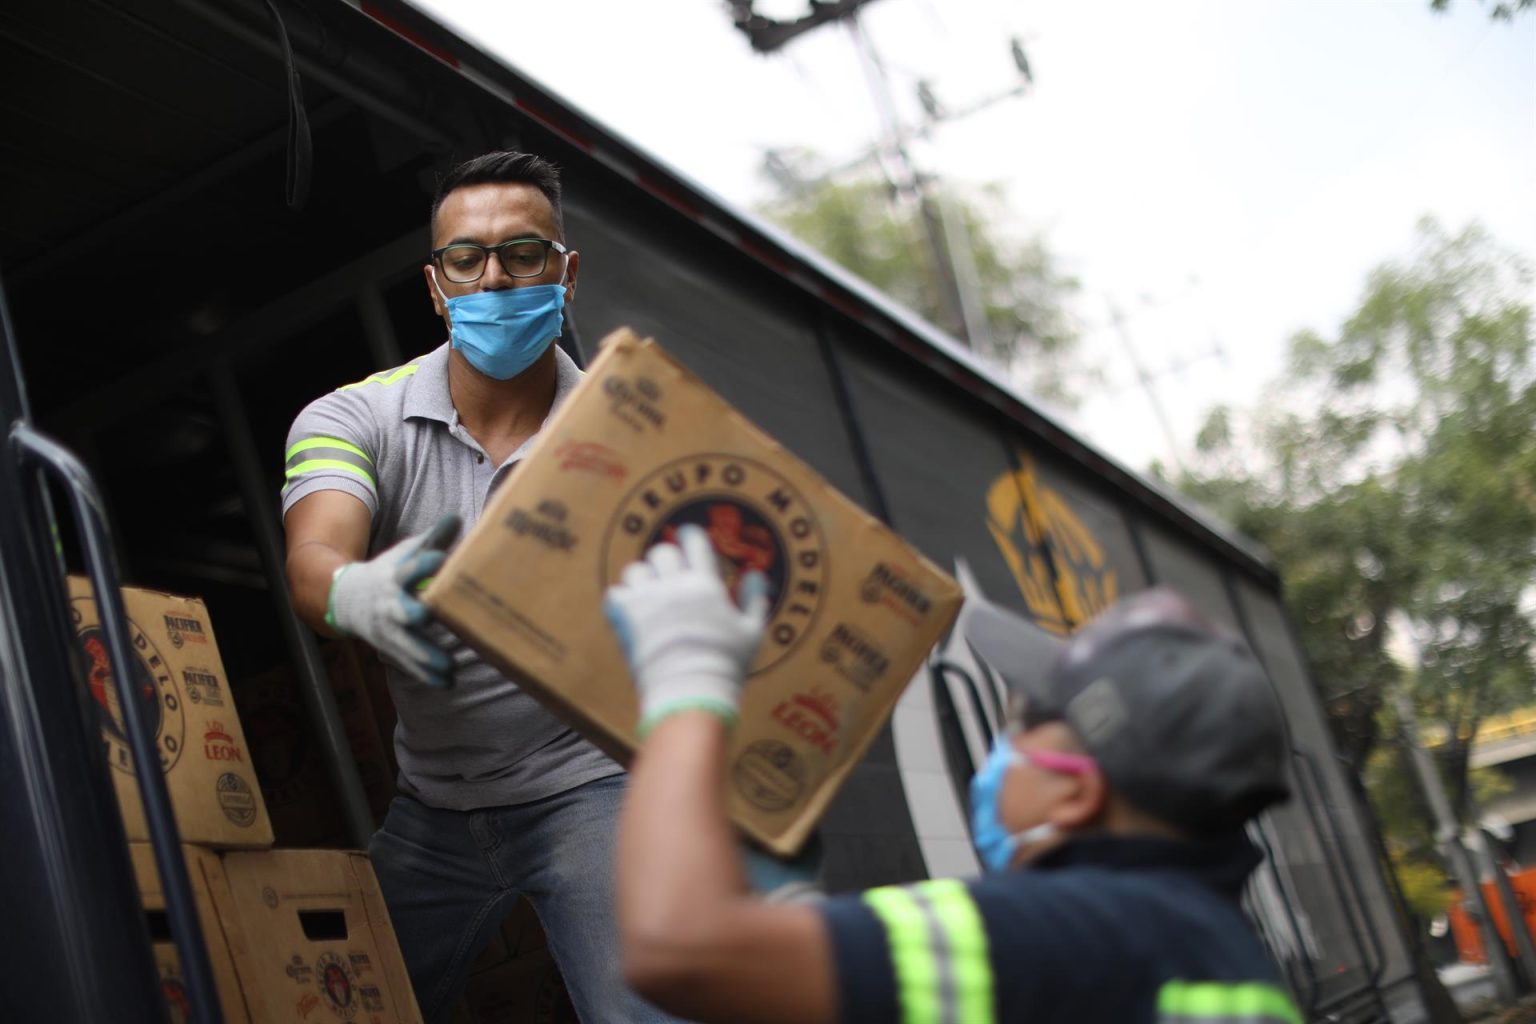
1029	519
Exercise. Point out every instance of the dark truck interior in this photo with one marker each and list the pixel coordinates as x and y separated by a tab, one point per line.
157	275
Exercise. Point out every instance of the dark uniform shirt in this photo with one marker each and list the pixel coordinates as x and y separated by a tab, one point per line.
1100	931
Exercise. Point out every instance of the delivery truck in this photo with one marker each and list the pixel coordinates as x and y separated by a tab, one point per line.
216	210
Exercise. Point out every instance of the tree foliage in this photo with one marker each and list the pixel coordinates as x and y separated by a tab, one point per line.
1501	10
1022	290
1394	481
1393	478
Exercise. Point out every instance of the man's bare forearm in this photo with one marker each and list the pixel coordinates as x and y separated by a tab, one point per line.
326	531
678	863
310	567
696	941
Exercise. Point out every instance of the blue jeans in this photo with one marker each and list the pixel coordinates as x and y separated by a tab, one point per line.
449	877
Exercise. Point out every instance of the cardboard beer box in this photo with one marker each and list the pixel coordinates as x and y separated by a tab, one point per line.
639	449
183	691
288	932
201	863
173	988
312	938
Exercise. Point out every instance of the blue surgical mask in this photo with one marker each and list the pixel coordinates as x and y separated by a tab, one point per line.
994	842
502	333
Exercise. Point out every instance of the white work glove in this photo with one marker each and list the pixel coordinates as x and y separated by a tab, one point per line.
376	601
688	644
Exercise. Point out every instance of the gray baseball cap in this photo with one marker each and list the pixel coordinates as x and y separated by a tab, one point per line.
1177	711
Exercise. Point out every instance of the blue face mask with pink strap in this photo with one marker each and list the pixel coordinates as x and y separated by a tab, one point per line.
997	846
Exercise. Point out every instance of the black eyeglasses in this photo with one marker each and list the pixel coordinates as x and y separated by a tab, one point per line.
464	262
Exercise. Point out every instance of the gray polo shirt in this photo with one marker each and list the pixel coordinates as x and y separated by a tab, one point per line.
395	442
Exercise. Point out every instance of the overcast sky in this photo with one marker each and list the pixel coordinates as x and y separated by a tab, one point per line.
1224	172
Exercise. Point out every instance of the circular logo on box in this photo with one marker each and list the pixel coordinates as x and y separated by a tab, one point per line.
756	521
236	799
770	775
335	982
154	689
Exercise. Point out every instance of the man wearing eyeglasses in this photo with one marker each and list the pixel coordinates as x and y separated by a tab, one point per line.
498	797
1110	816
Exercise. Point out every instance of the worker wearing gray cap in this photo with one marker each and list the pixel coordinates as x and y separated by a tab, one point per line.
1110	815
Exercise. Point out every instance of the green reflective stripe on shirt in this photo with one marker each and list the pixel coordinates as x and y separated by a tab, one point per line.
939	951
330	453
326	442
917	983
969	956
1214	1002
313	464
383	377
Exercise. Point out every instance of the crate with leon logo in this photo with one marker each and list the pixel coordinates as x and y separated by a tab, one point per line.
181	687
639	449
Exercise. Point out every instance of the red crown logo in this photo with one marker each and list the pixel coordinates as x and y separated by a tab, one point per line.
216	732
823	705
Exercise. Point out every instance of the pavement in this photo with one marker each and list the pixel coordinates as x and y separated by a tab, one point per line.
1472	988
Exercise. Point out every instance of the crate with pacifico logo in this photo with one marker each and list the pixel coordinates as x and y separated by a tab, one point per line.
179	681
639	449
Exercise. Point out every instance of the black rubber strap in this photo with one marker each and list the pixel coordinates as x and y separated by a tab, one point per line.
301	150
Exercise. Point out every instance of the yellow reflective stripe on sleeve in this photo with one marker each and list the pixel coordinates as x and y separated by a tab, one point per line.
917	973
326	442
383	377
969	955
939	952
314	464
1213	1002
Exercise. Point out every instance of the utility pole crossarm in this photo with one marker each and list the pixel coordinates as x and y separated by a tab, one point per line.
766	34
